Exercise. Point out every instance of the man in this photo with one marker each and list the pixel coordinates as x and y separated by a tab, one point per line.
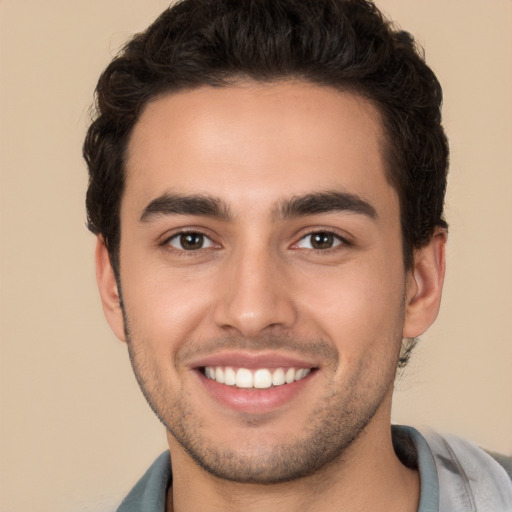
267	182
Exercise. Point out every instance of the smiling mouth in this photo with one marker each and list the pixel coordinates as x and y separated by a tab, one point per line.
260	378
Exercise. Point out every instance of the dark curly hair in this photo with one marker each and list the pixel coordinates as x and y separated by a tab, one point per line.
345	44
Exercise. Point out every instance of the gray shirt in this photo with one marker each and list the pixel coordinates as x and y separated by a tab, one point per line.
413	449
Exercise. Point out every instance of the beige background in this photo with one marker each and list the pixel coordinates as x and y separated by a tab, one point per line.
75	431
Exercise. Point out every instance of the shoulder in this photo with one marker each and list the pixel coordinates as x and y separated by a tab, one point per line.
504	461
456	475
469	476
467	454
149	494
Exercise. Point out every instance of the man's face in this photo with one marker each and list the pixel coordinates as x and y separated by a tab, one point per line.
261	244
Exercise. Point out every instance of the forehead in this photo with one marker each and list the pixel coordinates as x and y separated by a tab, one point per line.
255	143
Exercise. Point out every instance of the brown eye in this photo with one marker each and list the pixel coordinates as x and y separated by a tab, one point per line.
190	241
321	240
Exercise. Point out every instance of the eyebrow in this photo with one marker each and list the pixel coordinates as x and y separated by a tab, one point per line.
325	202
309	204
177	204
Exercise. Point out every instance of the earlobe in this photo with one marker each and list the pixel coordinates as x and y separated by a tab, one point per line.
108	289
425	285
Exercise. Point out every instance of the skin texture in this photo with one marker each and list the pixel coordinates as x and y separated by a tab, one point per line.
255	287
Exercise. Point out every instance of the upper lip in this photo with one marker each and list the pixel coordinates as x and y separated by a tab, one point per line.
253	360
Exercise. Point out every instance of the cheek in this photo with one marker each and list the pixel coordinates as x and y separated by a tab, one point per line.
162	305
357	305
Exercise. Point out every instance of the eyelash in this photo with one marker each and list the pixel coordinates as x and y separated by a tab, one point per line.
337	241
177	236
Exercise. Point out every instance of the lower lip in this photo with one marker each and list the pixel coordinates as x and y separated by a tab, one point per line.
254	401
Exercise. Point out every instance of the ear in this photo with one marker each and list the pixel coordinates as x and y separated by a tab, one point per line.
108	289
425	285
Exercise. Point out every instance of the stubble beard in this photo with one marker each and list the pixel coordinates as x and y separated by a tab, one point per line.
332	429
338	420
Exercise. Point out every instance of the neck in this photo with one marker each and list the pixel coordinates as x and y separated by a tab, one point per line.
367	476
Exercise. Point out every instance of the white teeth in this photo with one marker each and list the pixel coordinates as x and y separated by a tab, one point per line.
262	378
219	374
300	374
243	378
229	376
278	377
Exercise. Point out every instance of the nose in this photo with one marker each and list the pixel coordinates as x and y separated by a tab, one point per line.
254	294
